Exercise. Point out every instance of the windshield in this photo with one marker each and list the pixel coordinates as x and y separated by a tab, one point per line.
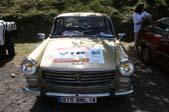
163	26
82	27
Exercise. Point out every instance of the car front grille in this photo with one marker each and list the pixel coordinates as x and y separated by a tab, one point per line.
78	79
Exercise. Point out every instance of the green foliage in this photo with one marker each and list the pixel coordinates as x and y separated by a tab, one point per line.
51	8
32	11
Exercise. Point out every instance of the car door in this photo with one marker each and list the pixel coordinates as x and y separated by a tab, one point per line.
164	49
163	43
151	39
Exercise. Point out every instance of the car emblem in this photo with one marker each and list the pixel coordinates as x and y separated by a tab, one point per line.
77	76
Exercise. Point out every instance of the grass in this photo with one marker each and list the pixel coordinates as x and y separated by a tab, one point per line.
25	48
22	51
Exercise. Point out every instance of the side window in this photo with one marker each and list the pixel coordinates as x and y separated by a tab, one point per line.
109	26
162	28
158	30
58	26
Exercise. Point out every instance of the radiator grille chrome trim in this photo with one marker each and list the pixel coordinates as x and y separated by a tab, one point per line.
80	79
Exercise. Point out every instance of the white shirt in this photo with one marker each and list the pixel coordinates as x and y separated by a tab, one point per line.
137	19
13	26
9	26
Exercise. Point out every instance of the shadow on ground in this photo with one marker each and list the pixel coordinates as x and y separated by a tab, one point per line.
5	60
105	105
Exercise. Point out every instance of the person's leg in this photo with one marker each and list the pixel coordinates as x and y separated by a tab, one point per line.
10	47
136	38
2	53
136	41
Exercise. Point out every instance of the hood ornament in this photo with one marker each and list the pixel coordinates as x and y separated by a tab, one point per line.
78	76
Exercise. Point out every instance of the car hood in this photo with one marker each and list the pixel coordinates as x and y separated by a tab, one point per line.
74	54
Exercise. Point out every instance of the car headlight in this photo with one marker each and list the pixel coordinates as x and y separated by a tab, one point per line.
126	68
29	67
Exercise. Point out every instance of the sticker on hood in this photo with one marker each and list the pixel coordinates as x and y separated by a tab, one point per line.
93	56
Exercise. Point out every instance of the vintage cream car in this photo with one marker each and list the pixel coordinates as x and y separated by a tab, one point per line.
81	61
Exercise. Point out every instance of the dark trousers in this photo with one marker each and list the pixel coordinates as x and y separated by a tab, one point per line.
2	53
9	44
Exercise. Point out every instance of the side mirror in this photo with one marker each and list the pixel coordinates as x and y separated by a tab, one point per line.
41	36
121	36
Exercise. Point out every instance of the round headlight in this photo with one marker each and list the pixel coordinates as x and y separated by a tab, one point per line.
126	68
29	67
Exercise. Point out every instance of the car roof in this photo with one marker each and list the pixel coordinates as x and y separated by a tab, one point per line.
81	14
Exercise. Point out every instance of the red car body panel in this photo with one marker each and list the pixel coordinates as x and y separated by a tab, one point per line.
156	37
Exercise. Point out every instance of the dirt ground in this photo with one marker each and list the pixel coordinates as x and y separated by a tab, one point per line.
151	92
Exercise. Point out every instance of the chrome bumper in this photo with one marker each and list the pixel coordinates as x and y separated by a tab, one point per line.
36	92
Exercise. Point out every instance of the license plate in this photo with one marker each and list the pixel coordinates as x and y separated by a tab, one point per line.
77	99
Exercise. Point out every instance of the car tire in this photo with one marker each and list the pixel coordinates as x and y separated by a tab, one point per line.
146	55
41	98
42	95
121	99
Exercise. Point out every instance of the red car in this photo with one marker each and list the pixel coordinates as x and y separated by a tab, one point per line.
154	43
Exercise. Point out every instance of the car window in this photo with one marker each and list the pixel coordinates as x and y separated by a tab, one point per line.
159	29
162	27
83	26
57	26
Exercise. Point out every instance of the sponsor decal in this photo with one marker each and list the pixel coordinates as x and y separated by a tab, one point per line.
63	53
96	56
72	48
70	60
79	55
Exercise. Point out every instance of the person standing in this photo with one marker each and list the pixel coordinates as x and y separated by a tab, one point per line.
2	40
139	16
9	44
